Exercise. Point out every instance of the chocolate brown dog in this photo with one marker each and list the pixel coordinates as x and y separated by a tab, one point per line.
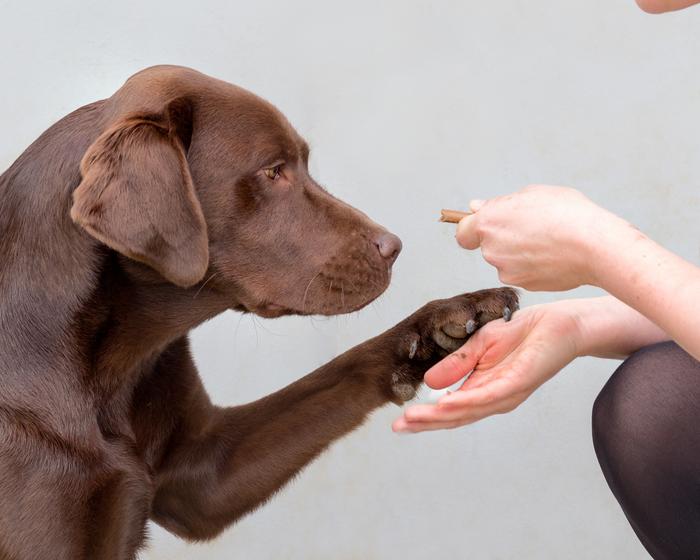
123	226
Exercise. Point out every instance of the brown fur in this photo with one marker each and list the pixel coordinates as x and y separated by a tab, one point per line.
122	227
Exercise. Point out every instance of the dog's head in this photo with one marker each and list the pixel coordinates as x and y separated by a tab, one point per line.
206	183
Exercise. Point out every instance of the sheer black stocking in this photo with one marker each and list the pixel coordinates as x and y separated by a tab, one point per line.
646	433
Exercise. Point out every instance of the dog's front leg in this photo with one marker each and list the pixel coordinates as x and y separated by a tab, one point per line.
240	456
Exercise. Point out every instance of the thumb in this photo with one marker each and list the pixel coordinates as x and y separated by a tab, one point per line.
467	234
453	367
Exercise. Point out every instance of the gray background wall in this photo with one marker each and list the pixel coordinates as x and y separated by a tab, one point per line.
411	106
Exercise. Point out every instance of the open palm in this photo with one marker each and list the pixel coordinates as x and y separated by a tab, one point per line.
507	361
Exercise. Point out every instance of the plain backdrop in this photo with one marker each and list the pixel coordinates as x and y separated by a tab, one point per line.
411	106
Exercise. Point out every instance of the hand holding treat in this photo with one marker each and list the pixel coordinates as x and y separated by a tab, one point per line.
540	238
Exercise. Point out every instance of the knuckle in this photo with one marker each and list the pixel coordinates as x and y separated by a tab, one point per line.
488	256
505	277
524	282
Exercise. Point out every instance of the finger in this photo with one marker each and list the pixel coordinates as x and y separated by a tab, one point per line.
437	413
475	205
476	379
424	413
467	234
451	368
399	425
415	427
497	390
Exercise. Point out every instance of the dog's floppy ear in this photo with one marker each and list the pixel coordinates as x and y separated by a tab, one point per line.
137	196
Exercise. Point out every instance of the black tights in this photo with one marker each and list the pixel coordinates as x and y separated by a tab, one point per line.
646	433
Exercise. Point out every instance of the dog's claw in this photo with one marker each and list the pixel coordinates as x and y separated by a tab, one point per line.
507	314
471	326
413	349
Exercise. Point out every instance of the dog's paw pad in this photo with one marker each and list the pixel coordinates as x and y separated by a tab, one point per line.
403	390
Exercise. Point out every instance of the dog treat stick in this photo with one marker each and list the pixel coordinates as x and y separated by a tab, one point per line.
452	216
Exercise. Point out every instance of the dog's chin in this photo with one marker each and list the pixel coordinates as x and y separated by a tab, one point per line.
270	310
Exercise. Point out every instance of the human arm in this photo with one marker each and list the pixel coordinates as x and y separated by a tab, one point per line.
554	238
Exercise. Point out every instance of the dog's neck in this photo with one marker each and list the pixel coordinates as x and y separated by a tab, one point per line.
139	315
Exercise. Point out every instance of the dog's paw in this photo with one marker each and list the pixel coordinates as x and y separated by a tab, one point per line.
444	325
441	327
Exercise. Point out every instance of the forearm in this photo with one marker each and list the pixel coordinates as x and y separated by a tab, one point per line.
608	328
655	282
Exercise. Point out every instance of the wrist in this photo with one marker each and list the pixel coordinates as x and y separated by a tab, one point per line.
571	318
585	313
602	248
607	328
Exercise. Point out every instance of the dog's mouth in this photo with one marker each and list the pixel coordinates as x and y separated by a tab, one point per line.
353	276
325	295
271	310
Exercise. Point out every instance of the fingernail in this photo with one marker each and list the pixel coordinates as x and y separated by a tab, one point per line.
476	204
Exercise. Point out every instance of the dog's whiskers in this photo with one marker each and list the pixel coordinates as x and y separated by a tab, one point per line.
204	284
255	326
306	291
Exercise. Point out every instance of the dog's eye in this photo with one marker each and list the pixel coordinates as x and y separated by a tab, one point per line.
273	173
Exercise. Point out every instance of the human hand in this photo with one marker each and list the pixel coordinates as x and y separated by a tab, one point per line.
542	238
509	361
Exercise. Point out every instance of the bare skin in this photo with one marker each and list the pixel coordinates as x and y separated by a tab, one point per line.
560	250
511	360
654	296
661	6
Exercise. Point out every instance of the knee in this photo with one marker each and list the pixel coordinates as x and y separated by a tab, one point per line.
630	404
609	419
616	409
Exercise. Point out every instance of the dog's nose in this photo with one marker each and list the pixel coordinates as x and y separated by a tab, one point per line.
389	246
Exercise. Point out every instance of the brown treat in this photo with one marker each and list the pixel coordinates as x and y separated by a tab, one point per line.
452	216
